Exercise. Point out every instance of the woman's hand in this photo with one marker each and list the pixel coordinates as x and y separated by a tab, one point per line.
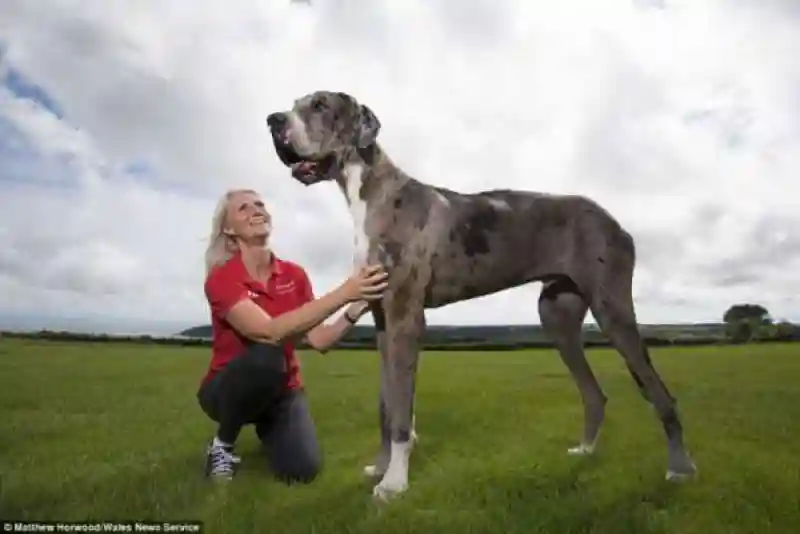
367	284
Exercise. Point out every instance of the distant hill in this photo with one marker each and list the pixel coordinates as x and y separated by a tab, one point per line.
433	333
451	337
508	335
357	332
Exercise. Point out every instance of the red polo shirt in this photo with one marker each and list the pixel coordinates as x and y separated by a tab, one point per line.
288	288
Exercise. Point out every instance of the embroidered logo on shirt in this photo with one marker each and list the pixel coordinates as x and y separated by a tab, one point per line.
285	288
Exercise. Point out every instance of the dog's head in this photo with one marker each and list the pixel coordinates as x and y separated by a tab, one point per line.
318	131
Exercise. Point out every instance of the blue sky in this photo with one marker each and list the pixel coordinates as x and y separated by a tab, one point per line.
18	153
23	88
120	127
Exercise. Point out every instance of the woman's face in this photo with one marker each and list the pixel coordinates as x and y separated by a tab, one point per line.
247	218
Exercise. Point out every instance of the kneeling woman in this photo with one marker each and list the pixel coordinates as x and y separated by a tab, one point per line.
260	305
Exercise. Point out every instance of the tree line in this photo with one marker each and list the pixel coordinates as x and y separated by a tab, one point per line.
741	323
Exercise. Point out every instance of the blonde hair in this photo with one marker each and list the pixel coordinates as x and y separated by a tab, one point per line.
220	246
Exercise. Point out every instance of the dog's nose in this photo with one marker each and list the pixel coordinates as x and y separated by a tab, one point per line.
276	121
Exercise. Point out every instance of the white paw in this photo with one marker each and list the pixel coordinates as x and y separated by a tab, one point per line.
673	476
389	487
581	450
680	476
395	481
373	471
379	468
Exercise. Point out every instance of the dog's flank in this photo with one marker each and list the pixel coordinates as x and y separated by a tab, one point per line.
444	247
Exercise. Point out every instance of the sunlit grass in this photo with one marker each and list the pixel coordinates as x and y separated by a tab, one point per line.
113	431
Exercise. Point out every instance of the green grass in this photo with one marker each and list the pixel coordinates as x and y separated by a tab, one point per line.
114	432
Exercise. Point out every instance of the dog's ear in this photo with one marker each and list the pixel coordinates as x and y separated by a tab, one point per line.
368	127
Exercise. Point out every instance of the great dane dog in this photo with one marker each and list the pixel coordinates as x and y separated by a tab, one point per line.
441	246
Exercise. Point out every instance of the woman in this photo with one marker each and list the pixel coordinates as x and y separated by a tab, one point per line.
260	305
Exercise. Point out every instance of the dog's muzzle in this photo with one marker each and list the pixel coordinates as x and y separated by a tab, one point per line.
306	170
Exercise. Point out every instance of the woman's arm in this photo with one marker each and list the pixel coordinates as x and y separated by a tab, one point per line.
324	336
251	321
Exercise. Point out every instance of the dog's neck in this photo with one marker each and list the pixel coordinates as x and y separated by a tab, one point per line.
368	179
368	175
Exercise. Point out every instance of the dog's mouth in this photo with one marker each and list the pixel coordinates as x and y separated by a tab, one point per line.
306	170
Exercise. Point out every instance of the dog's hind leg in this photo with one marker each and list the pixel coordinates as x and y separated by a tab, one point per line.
562	309
612	306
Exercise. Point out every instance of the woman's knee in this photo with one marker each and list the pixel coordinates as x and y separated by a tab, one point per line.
291	442
303	470
208	400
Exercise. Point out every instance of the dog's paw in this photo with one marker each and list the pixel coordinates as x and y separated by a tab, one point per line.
680	466
373	471
389	488
379	468
581	450
674	476
681	470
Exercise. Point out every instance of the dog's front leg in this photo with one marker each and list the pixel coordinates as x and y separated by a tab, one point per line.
405	323
378	469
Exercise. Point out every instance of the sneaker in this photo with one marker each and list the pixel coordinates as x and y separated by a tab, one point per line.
236	459
221	462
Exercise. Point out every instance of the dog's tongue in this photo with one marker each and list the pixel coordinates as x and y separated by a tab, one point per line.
304	167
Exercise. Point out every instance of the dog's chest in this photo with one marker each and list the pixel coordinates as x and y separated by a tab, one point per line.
358	213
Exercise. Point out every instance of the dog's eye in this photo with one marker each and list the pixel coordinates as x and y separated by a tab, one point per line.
318	104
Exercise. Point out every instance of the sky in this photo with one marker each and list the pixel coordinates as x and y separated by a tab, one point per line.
122	123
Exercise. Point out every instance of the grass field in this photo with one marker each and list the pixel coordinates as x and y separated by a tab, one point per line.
92	431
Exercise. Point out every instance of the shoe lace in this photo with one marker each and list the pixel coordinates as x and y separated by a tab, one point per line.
222	460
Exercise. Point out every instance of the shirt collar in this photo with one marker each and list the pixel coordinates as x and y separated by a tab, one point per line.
276	264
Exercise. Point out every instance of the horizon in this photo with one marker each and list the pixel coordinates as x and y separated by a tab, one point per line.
111	325
171	329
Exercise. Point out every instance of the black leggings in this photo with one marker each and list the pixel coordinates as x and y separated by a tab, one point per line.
251	390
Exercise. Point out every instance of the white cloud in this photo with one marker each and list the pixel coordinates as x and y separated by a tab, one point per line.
680	116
